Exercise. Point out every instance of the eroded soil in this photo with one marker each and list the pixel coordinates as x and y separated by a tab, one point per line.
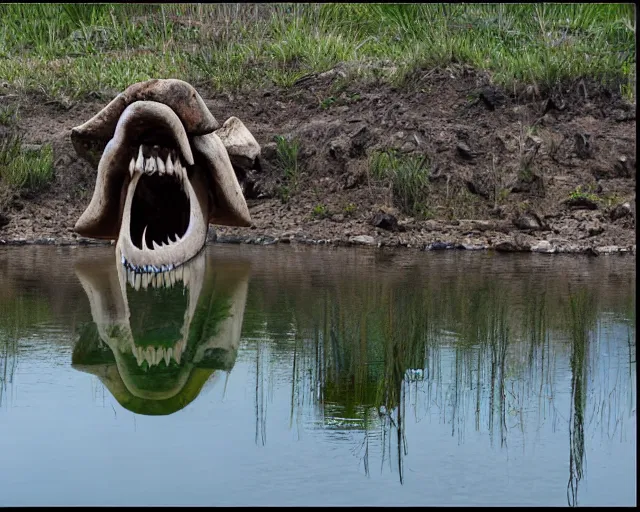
505	167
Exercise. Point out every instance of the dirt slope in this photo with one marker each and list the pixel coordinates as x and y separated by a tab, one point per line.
505	167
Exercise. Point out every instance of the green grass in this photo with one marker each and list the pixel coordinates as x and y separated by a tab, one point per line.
408	177
71	50
579	193
320	211
288	161
9	115
22	169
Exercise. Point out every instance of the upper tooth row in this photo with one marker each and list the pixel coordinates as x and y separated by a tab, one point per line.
154	164
153	355
162	279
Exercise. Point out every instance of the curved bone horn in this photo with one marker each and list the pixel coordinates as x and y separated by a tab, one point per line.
180	96
230	206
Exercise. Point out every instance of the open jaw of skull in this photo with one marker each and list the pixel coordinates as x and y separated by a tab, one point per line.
167	170
157	344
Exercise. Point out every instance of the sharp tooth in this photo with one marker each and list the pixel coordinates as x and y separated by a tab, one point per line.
132	166
160	166
144	239
170	353
155	245
169	166
148	355
132	279
145	280
178	273
138	281
167	357
172	277
150	165
140	161
186	275
178	169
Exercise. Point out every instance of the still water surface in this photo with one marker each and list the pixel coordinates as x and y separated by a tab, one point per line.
298	376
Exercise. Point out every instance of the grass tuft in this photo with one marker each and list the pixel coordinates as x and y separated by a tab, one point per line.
287	158
21	169
408	178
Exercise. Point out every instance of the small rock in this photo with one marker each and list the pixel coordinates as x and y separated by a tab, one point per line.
31	148
522	241
338	217
556	104
533	184
432	225
465	151
267	240
483	225
359	140
584	148
230	239
620	211
353	179
492	98
506	246
362	239
581	203
468	245
607	249
407	147
4	219
385	221
527	221
269	152
543	246
211	235
622	167
439	246
594	228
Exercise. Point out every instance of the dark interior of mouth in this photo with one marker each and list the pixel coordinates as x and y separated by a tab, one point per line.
161	204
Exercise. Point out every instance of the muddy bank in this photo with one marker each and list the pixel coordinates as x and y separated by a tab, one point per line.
509	171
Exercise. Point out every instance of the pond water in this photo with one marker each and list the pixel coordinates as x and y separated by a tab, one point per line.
289	375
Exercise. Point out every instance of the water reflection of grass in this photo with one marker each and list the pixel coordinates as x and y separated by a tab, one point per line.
362	351
582	321
18	318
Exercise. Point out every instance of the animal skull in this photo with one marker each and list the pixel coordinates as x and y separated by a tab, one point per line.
166	171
